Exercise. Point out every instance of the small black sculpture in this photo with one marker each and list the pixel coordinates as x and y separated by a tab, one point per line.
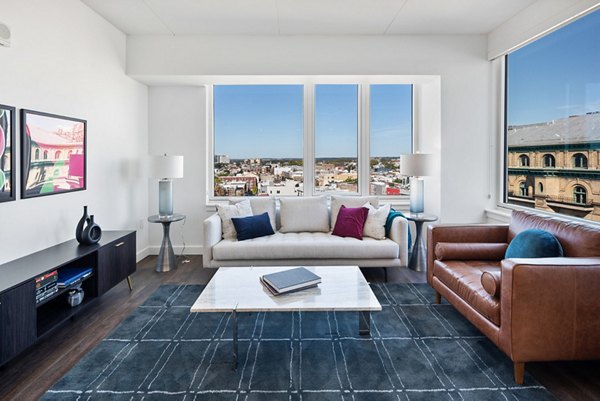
87	231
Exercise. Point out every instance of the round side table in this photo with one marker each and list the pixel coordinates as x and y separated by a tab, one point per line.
166	260
417	261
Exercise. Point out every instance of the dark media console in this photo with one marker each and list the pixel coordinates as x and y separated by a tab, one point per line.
24	320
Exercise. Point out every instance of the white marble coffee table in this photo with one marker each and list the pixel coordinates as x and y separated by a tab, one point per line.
238	289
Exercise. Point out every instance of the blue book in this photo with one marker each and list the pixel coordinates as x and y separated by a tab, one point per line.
71	275
290	280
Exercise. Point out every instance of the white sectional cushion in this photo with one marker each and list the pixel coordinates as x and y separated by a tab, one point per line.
263	204
349	201
304	214
305	245
226	212
375	225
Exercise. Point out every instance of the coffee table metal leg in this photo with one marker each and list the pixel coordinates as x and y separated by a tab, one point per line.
364	323
235	339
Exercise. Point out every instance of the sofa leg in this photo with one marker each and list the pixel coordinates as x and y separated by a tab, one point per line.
519	372
438	298
385	274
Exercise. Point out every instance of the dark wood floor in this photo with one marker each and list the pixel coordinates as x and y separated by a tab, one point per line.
36	370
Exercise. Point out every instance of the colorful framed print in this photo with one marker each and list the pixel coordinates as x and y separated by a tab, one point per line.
7	153
53	154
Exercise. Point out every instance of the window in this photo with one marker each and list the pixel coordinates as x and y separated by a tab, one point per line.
549	161
391	136
580	161
336	138
258	139
552	109
297	139
524	161
540	187
37	154
45	154
523	190
579	194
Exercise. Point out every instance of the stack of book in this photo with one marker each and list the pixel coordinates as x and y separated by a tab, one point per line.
290	281
46	285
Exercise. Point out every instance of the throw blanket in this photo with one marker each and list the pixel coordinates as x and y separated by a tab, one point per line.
388	225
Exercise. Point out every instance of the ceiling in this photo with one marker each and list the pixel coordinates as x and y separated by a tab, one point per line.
306	17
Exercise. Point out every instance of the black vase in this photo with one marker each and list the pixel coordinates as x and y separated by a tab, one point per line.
91	233
80	226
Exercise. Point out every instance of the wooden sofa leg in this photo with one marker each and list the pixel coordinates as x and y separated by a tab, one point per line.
438	298
519	372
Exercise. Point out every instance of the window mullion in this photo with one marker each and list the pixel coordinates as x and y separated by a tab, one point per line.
309	139
364	136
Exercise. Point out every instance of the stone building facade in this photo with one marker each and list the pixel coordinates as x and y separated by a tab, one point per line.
555	166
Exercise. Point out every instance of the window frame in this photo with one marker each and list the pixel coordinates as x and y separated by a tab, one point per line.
363	135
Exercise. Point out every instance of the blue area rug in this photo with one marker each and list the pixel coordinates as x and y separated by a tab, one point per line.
418	351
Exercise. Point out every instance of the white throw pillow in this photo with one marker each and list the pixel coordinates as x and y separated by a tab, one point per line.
226	212
375	225
304	214
349	201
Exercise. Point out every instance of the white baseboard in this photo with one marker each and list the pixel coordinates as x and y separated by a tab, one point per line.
189	250
142	254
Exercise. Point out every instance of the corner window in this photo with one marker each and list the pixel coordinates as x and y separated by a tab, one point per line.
552	114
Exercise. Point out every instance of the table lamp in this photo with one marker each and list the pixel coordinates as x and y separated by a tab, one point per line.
165	168
416	165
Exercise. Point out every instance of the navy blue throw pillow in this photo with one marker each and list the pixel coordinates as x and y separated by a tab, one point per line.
534	243
252	226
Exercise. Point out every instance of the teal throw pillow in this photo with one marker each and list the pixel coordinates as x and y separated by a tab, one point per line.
534	243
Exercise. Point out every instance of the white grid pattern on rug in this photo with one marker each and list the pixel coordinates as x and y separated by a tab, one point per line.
417	351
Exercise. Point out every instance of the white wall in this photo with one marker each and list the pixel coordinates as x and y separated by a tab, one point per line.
67	60
459	62
176	126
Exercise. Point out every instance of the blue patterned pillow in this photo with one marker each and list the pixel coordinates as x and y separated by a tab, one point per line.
534	243
252	226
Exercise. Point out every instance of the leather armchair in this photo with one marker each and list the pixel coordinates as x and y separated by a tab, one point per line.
546	309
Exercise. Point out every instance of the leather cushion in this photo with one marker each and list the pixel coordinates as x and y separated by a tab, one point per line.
490	280
470	251
464	279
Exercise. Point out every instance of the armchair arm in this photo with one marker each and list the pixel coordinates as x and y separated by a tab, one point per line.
399	234
462	233
212	235
549	309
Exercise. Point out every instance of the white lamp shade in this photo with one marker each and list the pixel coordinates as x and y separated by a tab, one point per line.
166	166
416	164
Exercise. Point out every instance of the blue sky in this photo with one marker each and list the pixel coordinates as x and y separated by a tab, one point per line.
556	76
267	120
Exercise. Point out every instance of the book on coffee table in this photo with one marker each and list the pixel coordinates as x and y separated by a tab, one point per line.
290	280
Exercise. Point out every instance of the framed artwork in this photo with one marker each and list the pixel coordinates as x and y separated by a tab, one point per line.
53	154
7	153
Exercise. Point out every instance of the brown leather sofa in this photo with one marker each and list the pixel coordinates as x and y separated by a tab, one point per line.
543	309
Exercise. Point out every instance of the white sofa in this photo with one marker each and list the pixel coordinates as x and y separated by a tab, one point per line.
288	247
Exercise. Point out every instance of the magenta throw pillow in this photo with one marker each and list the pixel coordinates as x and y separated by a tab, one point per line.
350	222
